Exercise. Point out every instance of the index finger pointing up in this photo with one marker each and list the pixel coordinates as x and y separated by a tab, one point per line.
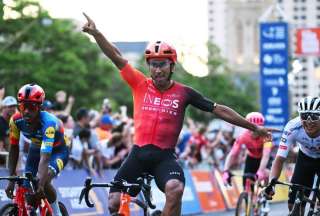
87	17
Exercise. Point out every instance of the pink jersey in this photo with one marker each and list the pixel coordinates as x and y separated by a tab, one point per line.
254	146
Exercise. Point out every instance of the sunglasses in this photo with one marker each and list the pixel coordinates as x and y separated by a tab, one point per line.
159	64
29	106
310	116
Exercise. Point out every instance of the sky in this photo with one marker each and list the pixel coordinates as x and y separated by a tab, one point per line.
139	20
183	23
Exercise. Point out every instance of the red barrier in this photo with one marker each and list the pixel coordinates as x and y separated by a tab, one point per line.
208	191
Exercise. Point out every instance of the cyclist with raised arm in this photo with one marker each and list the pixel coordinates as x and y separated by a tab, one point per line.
303	130
159	107
48	153
258	151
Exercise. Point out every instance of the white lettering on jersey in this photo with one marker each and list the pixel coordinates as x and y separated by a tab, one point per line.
163	102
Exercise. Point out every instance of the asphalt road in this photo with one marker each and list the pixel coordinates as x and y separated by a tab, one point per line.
277	209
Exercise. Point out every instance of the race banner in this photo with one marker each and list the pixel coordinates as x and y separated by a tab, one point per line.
308	42
274	75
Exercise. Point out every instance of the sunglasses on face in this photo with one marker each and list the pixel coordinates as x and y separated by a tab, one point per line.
159	64
310	116
29	106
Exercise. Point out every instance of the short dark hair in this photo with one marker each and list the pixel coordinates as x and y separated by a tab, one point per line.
82	113
84	133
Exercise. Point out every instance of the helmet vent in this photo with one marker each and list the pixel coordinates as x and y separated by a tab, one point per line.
167	52
28	91
156	48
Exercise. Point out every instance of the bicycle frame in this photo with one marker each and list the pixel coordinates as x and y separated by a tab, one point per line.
301	197
20	200
251	191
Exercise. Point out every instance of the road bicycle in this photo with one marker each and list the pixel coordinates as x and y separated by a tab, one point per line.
301	199
144	185
20	206
251	201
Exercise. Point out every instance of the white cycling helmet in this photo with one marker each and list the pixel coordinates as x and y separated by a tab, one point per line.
309	104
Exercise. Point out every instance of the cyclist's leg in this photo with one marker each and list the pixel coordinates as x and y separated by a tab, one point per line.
58	160
130	170
303	174
251	167
170	179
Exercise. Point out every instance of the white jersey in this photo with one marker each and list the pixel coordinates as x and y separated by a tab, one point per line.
295	133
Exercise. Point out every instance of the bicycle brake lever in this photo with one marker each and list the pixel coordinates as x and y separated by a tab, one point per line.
146	189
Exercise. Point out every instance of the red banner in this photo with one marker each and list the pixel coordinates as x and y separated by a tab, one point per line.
308	41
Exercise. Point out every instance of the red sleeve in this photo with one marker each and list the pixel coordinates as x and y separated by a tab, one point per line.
132	76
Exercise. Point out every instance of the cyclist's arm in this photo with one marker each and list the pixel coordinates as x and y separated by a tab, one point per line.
229	115
43	168
45	152
265	155
277	167
286	141
14	136
108	48
231	158
223	112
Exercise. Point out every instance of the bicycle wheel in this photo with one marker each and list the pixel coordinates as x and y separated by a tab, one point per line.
63	209
9	209
242	205
296	210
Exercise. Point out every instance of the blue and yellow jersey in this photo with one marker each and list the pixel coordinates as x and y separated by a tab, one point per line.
50	133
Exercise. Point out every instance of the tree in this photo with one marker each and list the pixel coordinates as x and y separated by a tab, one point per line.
56	56
239	92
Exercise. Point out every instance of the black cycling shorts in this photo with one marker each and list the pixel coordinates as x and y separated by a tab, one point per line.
251	167
304	172
151	159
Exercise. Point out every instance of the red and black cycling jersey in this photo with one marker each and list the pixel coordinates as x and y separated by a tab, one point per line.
158	116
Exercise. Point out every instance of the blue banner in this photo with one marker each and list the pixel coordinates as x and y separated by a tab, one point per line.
274	74
70	183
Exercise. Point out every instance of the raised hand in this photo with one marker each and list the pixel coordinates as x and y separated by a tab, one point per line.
90	26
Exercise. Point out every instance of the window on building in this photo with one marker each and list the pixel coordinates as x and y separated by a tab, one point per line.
304	86
304	95
295	17
297	95
304	77
303	17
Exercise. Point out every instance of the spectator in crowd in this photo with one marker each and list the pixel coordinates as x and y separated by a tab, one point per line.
2	93
9	107
59	106
47	106
118	150
83	121
68	124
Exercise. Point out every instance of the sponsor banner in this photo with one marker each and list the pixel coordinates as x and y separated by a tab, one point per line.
274	47
208	191
190	202
69	185
308	41
230	193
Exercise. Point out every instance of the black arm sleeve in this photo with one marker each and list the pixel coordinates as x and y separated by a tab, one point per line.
197	100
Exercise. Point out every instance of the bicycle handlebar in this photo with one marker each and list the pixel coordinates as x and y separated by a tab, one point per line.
19	179
297	186
121	185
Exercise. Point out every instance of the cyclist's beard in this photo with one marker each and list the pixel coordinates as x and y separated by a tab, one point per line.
163	83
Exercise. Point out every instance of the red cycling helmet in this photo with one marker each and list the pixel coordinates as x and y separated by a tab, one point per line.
31	93
160	49
255	118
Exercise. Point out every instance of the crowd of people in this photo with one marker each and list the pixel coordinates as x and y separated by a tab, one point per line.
101	139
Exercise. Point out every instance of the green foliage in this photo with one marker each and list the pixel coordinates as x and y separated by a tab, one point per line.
56	56
222	86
